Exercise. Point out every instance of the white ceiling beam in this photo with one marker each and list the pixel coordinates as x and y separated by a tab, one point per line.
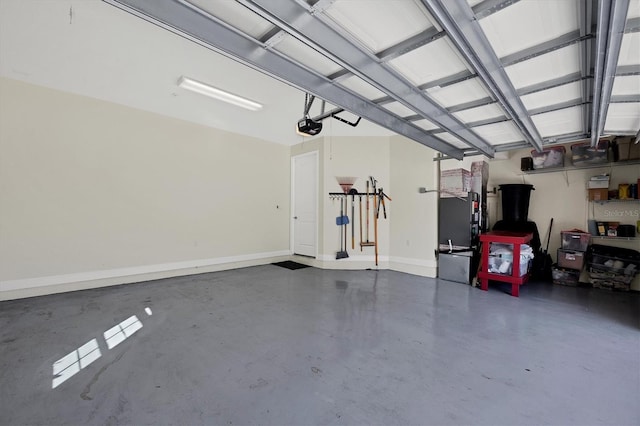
550	84
556	107
587	19
628	70
489	7
543	48
458	77
296	18
412	43
460	24
621	99
611	17
632	26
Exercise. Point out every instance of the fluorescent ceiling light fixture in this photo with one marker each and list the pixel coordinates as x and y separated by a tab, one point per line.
221	95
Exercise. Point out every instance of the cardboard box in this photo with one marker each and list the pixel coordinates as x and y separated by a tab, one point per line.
623	150
479	176
599	194
571	259
634	151
455	183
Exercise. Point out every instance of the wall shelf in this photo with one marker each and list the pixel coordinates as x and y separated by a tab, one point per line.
591	166
621	206
604	237
628	200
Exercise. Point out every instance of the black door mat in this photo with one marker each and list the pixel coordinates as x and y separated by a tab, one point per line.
291	265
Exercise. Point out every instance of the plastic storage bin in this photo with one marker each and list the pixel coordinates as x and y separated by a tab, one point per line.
501	259
582	154
575	240
562	276
551	157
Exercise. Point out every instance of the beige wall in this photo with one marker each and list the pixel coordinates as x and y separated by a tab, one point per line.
358	157
414	236
93	193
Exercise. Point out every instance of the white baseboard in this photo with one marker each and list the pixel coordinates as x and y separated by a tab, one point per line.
353	262
29	287
353	258
425	268
39	286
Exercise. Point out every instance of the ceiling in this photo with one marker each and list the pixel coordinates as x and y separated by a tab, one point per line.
464	77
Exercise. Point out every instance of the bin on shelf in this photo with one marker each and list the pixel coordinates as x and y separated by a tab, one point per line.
550	157
575	240
582	154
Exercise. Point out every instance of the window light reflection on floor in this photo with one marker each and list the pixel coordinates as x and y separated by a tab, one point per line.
118	334
71	364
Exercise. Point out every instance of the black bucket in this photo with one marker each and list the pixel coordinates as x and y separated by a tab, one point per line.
515	201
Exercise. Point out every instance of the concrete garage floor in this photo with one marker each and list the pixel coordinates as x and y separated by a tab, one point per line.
267	345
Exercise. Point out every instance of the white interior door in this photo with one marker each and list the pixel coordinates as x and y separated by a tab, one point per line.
305	203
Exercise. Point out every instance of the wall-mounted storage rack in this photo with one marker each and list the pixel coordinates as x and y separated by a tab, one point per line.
590	166
604	237
619	202
615	200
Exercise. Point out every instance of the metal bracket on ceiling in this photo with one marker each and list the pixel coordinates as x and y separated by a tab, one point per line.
275	39
350	123
321	6
308	101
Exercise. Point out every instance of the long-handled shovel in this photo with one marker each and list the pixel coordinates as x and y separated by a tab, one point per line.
367	243
353	193
375	218
360	221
